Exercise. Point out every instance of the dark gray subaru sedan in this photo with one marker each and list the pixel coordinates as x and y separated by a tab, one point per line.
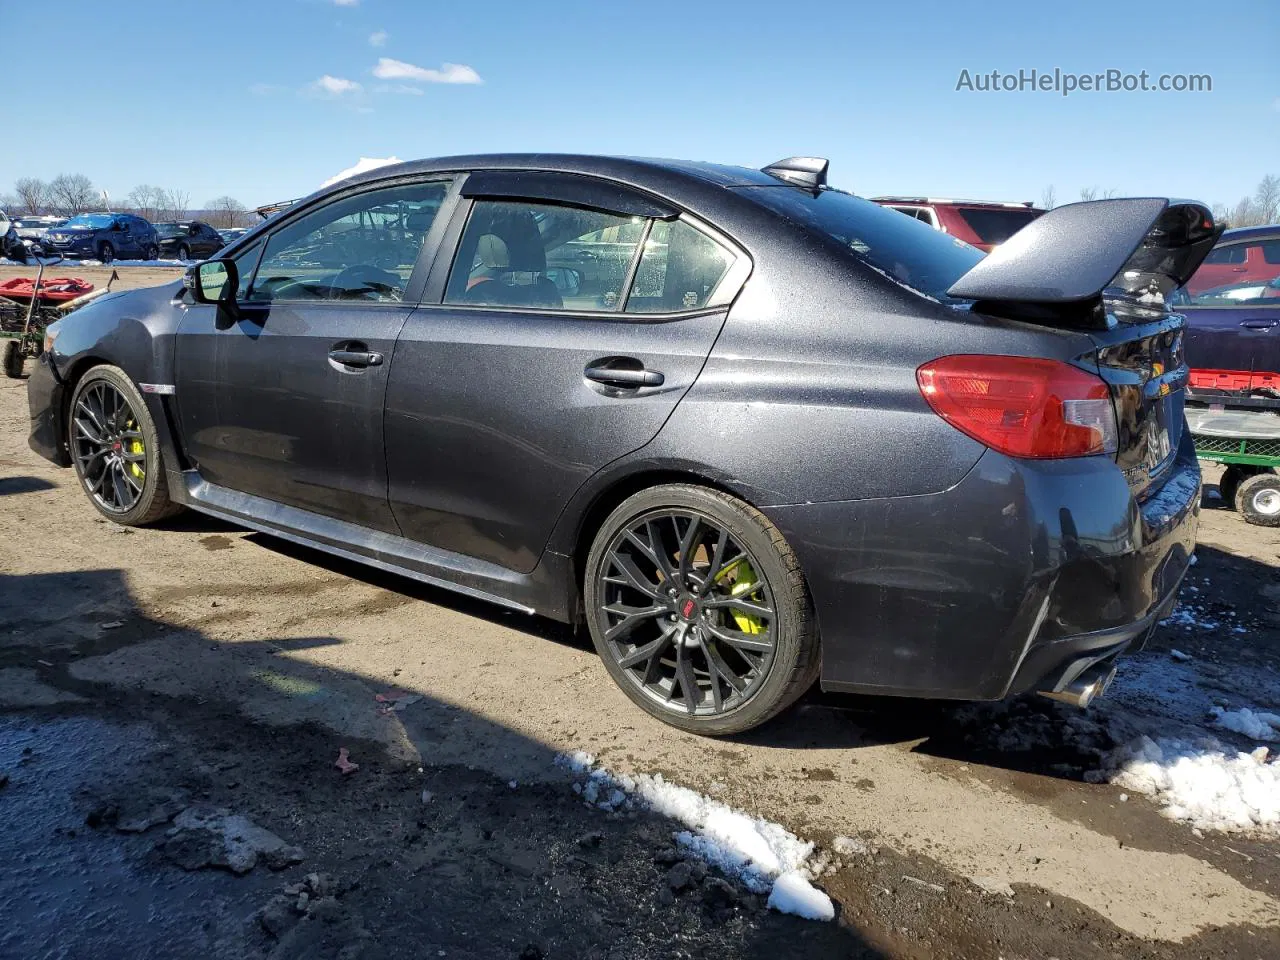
751	430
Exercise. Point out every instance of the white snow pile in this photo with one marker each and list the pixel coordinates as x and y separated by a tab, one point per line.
1200	782
1166	715
363	165
1257	726
764	856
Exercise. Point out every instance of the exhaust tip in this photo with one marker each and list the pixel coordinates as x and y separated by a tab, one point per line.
1084	689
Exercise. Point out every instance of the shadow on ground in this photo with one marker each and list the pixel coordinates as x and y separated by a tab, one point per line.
455	837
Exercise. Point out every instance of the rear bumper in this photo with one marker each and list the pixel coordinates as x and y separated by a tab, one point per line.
45	399
1001	585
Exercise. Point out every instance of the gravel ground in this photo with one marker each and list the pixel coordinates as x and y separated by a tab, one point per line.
173	700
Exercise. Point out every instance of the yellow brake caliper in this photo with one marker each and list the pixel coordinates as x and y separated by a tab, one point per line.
135	446
744	584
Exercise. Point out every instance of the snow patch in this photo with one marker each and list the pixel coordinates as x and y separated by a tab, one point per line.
1257	726
759	853
363	165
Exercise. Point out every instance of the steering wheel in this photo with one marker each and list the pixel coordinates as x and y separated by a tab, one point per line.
368	277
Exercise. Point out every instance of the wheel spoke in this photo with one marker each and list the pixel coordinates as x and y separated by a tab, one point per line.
129	478
631	618
722	669
739	640
688	682
91	432
649	651
687	544
717	558
738	603
119	487
633	577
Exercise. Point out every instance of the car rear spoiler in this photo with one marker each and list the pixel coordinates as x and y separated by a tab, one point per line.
1061	265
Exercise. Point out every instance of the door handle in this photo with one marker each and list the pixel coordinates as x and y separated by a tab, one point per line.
624	377
356	358
1260	323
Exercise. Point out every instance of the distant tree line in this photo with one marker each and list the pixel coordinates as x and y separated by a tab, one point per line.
1261	208
70	193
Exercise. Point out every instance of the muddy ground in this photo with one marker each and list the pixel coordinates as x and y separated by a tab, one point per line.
154	683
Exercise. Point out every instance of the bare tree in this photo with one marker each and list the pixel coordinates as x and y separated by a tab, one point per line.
1221	214
174	204
72	193
226	212
1246	214
1267	199
1049	197
1110	192
1088	193
33	193
146	200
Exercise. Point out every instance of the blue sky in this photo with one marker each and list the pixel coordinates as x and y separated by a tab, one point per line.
231	97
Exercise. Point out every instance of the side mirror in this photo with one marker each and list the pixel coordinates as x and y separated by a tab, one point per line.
214	281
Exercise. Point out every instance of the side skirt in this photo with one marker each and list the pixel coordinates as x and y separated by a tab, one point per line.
546	591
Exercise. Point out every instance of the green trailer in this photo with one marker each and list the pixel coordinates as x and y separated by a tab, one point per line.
1247	443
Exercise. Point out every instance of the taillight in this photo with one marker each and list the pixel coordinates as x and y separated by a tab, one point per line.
1022	406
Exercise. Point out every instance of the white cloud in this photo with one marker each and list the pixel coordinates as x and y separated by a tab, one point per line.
378	38
335	86
398	88
388	69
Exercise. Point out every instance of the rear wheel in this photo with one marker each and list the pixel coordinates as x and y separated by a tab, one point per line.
106	252
13	359
1229	483
184	252
699	610
116	450
1258	500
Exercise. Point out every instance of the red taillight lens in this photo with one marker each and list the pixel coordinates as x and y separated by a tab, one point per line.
1022	406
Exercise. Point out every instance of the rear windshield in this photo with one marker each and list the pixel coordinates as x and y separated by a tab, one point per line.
911	252
994	225
171	229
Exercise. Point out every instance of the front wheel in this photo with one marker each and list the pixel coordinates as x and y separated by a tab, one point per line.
116	450
698	608
1258	499
13	360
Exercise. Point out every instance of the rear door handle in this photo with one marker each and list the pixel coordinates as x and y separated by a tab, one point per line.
1260	323
623	377
356	358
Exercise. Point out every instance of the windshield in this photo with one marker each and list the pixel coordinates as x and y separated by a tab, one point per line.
91	221
170	229
995	225
911	252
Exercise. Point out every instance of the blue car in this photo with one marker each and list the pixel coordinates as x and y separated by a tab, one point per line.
105	237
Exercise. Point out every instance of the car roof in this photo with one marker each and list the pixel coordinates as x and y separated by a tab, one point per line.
1005	204
1249	233
636	170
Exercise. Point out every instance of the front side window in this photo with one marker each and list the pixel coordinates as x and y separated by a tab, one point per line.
361	247
680	269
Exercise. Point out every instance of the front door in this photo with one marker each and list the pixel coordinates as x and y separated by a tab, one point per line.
284	399
565	340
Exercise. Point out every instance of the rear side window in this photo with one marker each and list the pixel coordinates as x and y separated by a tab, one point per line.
1271	251
913	253
995	224
1232	254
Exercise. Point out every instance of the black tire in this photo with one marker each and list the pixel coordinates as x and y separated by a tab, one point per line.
779	678
1229	483
184	252
13	359
1258	500
151	253
106	252
152	499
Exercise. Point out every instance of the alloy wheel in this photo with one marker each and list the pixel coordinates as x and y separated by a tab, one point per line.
686	613
108	445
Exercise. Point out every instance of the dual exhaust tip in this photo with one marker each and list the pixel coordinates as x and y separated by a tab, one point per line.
1090	684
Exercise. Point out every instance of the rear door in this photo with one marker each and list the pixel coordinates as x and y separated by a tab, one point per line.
573	317
284	400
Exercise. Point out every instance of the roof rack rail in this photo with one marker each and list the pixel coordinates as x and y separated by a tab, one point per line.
807	172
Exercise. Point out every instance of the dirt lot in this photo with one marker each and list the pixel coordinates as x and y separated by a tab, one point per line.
155	682
128	276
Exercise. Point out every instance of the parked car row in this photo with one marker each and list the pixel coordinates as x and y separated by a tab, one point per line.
109	237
